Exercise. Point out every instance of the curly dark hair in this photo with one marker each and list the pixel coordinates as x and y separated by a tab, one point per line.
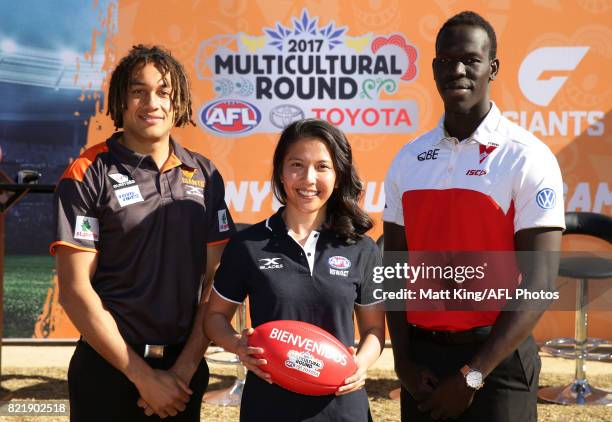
139	56
344	215
472	19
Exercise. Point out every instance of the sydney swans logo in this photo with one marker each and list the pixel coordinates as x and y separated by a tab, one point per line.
311	69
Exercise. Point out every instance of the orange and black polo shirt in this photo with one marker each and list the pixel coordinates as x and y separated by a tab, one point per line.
150	228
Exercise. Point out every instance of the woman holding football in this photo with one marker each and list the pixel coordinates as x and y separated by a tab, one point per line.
311	262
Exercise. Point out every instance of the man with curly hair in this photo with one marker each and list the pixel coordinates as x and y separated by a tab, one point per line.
141	224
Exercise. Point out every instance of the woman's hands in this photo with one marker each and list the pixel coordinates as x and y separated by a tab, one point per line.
245	354
357	380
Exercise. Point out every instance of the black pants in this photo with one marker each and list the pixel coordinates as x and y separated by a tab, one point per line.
509	393
99	392
263	402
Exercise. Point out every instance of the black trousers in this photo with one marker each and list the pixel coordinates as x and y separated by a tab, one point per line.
509	393
99	392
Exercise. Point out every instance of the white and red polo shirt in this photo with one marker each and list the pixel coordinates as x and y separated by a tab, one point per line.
472	195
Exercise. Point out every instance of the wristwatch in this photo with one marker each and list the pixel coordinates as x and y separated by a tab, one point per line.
473	377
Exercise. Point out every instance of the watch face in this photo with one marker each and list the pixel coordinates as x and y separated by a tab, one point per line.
474	379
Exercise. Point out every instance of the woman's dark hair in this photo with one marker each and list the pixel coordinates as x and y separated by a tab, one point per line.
344	216
139	56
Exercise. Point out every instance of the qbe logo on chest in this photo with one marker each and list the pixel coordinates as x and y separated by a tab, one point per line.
546	198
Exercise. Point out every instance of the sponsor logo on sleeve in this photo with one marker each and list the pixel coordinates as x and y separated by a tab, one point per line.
86	228
223	223
546	198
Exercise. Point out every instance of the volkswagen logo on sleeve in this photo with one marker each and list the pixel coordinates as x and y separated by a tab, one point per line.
546	198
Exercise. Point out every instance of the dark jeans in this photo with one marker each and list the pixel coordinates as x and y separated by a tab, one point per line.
509	393
99	392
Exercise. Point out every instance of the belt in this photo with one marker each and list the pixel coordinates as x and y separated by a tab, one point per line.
471	336
153	351
157	351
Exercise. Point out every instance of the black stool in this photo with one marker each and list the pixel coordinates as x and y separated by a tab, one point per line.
583	268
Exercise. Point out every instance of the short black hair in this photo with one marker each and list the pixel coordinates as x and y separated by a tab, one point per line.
344	216
139	56
472	19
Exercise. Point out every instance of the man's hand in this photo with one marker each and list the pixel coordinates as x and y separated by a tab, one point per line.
183	372
419	381
450	399
163	393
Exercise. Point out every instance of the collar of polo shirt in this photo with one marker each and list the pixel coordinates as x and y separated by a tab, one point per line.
277	226
484	133
178	156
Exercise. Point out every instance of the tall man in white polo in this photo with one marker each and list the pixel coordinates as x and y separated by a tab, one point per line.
476	182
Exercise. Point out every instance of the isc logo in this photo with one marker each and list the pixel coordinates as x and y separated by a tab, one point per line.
230	117
476	172
431	154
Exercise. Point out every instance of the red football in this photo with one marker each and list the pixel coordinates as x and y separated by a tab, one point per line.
302	357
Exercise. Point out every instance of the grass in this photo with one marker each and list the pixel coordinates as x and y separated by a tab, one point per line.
26	281
50	384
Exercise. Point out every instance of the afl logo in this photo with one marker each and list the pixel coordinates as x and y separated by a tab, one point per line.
339	263
230	117
546	198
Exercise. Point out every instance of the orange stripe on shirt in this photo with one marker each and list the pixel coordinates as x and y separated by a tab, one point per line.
54	245
218	242
79	167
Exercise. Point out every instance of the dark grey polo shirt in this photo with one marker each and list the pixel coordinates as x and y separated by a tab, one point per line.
150	229
275	274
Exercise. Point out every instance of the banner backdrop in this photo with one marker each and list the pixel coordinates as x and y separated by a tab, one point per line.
365	66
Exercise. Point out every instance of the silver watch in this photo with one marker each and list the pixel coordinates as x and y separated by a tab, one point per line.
473	377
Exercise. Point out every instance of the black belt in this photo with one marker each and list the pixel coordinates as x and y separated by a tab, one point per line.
472	336
153	351
157	351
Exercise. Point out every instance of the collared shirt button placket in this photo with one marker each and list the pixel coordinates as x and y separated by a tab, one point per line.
452	144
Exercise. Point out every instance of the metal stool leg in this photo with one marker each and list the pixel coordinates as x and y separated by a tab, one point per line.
232	395
579	392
